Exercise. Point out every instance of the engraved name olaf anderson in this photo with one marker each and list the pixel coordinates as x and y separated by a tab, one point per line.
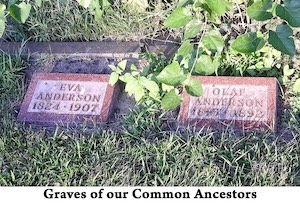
226	102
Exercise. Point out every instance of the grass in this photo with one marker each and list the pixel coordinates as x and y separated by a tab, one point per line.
142	154
67	21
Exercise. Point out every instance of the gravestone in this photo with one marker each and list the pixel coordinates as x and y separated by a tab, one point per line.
248	104
57	97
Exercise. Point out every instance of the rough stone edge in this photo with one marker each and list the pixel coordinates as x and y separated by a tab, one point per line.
99	49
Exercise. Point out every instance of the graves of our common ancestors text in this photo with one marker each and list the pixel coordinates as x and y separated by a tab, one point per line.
243	103
59	97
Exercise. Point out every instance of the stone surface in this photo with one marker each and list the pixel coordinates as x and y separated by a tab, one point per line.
242	103
112	49
100	49
55	97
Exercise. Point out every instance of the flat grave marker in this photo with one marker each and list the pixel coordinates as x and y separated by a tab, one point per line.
243	103
59	97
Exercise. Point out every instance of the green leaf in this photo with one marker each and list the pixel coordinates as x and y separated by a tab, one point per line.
188	61
113	67
212	16
268	61
96	9
166	88
2	27
11	2
2	9
149	85
251	70
171	75
122	64
183	3
171	100
290	12
139	92
204	66
113	78
282	39
136	5
259	10
213	41
104	3
126	77
219	6
194	88
287	71
248	43
296	87
131	85
178	18
84	3
118	70
135	73
185	49
133	67
20	12
38	2
192	29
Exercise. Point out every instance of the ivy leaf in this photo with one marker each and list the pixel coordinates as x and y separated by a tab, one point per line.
166	88
282	39
139	92
248	43
171	75
212	16
290	12
122	64
219	6
296	87
194	88
171	100
126	77
178	18
185	49
149	85
113	78
20	12
131	85
287	71
213	41
204	66
259	10
133	67
192	29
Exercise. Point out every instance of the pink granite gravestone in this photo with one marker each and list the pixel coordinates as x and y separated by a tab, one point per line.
238	102
56	97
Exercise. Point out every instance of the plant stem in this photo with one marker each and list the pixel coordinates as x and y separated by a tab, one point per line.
241	15
199	42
